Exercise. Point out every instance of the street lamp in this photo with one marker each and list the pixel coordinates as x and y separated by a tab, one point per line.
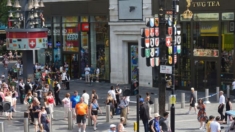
176	40
25	31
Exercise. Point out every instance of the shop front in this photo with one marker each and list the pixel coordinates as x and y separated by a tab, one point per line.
79	36
207	58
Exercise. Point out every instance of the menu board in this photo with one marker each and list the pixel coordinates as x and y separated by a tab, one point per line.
206	52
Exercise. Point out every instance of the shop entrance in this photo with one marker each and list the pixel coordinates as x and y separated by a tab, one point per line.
206	74
72	61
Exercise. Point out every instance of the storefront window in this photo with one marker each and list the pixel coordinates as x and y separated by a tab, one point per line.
70	34
100	45
206	17
57	41
228	16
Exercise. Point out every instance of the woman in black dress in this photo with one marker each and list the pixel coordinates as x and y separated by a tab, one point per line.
228	107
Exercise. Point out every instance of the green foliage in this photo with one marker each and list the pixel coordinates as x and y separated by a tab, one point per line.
4	11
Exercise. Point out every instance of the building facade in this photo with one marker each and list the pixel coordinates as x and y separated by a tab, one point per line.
78	35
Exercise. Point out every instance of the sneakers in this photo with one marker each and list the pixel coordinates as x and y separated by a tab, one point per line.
79	129
95	128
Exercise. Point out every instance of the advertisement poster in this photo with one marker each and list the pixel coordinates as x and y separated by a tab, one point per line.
71	39
57	55
134	62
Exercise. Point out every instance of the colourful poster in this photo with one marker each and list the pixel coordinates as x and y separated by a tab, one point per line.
134	62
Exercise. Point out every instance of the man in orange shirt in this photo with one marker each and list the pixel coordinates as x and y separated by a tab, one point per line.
81	109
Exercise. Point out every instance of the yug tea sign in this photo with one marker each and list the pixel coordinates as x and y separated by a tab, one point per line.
206	4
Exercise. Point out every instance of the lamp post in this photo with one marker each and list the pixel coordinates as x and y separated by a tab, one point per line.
26	31
176	40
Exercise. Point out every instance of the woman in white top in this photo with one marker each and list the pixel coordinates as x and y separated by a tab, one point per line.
97	74
45	90
120	125
63	78
67	105
14	97
8	98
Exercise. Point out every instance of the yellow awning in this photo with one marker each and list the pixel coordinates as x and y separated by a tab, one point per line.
2	32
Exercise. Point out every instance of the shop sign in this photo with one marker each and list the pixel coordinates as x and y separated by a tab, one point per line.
85	27
165	69
208	28
206	52
206	4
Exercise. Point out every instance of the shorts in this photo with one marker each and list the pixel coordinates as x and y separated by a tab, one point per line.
81	119
35	121
94	112
192	104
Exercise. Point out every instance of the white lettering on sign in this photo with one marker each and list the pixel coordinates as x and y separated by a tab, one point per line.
72	36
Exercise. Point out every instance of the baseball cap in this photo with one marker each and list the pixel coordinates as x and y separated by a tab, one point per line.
112	125
141	100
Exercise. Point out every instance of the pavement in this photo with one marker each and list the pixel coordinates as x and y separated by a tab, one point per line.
183	122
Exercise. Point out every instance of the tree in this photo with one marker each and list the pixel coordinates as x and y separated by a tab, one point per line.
4	12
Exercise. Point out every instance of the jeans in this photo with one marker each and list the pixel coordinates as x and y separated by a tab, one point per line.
145	123
220	111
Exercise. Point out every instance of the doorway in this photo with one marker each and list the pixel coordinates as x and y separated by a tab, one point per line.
133	62
205	74
72	61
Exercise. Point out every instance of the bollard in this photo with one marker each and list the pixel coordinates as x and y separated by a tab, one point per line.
182	100
135	126
70	120
195	92
89	120
206	95
228	91
217	91
155	105
107	113
26	122
1	127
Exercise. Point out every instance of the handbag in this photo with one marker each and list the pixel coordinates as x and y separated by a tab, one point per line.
47	120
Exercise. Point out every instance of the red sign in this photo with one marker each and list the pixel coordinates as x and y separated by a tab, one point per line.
169	30
20	35
32	43
85	27
168	41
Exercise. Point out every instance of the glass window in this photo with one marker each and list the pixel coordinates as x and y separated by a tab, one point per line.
56	19
228	16
84	18
70	37
57	43
70	19
84	58
98	19
100	48
206	17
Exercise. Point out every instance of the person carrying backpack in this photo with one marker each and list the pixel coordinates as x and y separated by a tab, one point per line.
144	114
155	126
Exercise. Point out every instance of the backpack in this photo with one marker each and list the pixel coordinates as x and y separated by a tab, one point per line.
150	124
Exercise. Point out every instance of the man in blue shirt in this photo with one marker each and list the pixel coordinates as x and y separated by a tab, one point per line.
155	127
74	100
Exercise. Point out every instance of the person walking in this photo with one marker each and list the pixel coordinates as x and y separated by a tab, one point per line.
43	119
144	114
149	102
228	107
57	93
155	126
201	113
87	73
63	77
94	95
215	125
51	102
110	102
81	111
120	125
164	122
123	105
67	105
75	98
28	86
86	97
208	128
8	98
67	79
118	92
233	89
192	101
36	110
94	108
21	91
221	105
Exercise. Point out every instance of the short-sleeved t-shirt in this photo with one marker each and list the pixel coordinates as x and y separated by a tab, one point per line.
215	126
208	127
81	109
164	124
193	96
74	100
